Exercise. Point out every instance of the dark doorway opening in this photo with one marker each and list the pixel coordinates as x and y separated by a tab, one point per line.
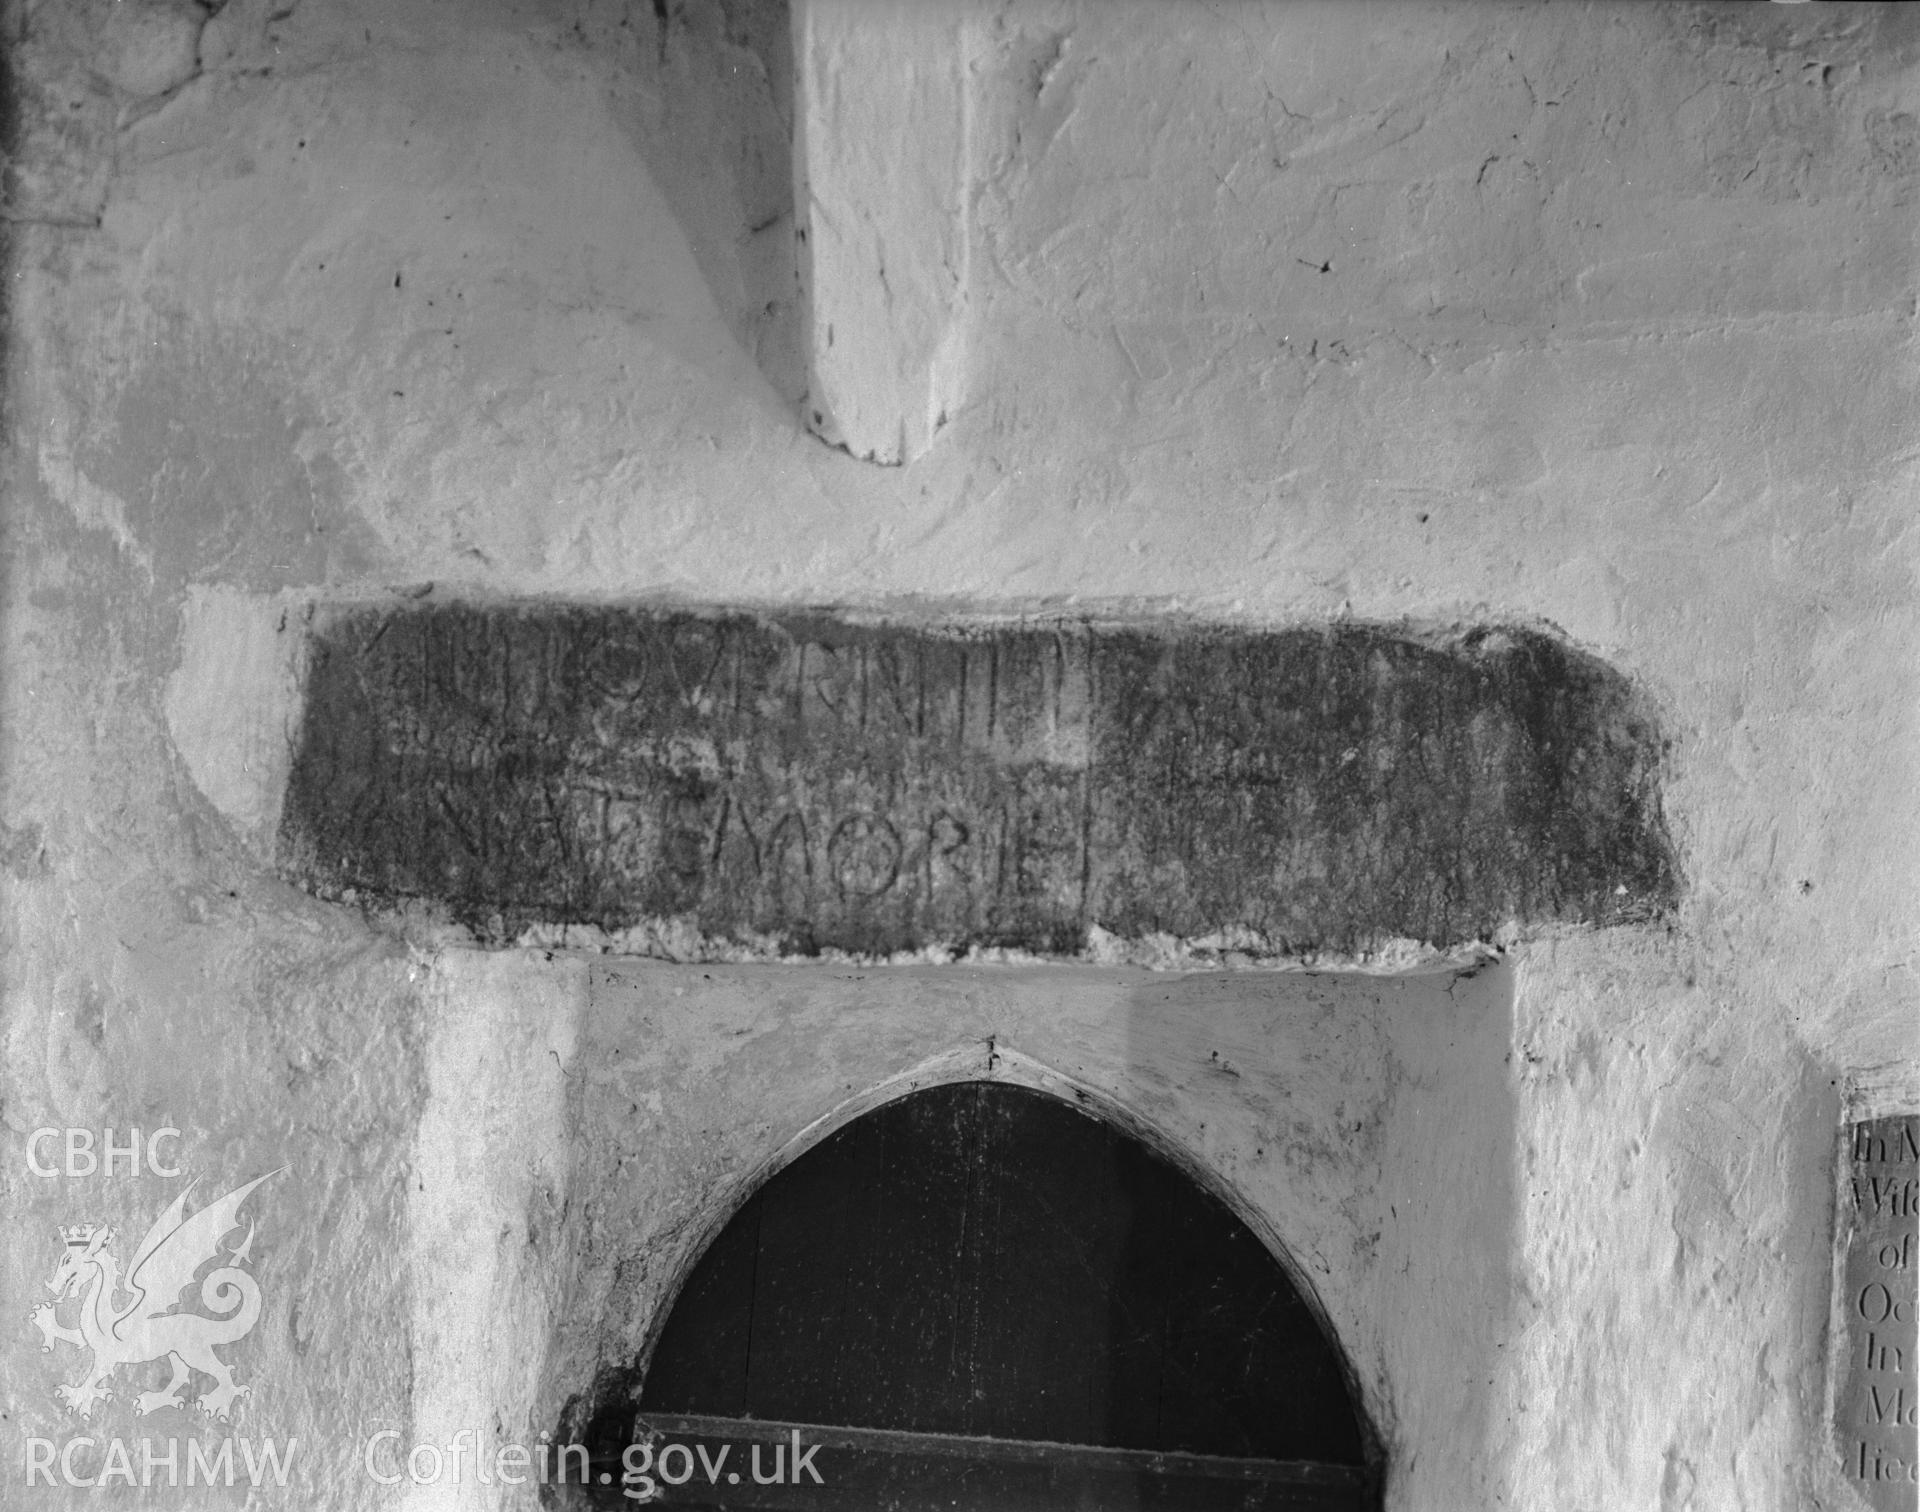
981	1295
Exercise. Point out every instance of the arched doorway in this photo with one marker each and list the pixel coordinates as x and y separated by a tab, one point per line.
981	1296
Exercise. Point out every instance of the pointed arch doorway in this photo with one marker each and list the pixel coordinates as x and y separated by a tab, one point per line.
982	1296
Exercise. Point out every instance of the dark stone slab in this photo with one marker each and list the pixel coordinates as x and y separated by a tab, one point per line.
806	782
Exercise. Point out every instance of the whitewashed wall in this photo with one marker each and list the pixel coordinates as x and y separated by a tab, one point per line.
1600	317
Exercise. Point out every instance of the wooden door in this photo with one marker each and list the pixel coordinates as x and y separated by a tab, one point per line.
978	1267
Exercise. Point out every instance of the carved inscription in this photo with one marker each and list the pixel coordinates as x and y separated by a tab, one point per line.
803	782
1877	1412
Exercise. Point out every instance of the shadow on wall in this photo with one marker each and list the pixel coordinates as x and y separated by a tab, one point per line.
716	130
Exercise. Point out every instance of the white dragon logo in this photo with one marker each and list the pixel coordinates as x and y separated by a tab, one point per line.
144	1329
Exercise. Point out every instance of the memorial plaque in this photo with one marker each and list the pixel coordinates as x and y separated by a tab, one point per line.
803	782
1877	1407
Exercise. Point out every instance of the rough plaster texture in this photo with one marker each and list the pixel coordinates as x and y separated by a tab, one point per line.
882	169
1596	316
487	1210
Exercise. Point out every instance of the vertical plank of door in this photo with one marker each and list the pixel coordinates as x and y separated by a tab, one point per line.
861	1247
1068	1279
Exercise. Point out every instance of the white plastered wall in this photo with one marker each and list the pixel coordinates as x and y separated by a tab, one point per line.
1602	318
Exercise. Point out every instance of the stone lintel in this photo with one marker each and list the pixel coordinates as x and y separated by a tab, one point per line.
798	782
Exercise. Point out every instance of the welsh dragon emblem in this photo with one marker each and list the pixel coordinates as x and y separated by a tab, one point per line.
144	1327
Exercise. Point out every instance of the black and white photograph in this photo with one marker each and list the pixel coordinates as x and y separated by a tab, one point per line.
960	755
